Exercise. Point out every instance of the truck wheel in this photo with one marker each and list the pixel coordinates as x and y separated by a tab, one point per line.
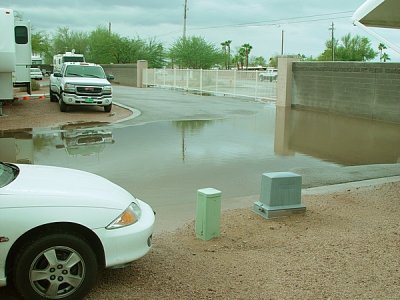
107	108
53	97
55	266
63	106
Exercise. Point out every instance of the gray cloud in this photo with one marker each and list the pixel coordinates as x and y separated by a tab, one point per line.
215	20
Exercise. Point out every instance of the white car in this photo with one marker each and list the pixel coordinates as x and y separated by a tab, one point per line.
269	74
59	227
36	73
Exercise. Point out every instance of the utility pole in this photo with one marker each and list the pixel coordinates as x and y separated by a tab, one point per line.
184	20
332	28
282	42
109	28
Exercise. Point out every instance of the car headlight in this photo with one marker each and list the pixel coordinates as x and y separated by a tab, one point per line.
107	89
128	217
68	87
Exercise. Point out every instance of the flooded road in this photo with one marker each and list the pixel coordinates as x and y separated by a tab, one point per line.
165	163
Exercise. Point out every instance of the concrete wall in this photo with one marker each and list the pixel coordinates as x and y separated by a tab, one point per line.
369	90
124	74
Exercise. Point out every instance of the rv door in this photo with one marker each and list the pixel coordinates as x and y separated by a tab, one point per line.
23	52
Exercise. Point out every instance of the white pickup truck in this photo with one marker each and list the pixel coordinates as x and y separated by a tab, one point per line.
80	83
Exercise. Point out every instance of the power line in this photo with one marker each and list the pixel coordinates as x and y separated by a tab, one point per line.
292	20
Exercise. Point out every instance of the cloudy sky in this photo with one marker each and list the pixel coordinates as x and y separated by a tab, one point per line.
305	23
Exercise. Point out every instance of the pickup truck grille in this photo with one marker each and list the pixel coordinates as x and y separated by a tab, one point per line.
89	90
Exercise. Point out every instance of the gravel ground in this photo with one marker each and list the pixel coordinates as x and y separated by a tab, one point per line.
346	245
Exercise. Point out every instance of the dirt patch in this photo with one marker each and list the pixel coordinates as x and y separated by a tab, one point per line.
37	112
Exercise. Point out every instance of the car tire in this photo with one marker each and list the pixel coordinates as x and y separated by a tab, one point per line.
107	108
53	97
63	106
55	266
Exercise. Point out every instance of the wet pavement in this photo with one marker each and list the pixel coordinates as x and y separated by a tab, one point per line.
180	143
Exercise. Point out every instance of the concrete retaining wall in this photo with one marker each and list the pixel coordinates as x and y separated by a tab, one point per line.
369	90
124	74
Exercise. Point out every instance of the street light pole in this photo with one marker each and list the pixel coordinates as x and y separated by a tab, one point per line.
332	28
184	20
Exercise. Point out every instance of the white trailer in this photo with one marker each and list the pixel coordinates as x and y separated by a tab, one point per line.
7	54
59	59
23	54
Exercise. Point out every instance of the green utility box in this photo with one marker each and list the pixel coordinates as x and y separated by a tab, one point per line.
208	213
280	195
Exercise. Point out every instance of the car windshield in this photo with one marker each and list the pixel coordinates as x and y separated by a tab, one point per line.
8	172
85	71
35	70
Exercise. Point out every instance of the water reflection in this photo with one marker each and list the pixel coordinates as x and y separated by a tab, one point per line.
165	163
85	140
16	146
190	126
336	138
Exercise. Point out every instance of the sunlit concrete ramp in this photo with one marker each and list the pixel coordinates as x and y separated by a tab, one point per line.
313	177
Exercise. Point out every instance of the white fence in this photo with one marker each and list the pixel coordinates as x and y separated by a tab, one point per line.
213	82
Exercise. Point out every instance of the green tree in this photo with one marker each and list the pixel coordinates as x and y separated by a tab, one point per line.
381	47
257	61
66	40
41	45
273	61
245	51
385	57
154	53
349	48
195	53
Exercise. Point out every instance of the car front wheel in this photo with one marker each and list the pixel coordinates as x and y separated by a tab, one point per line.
55	266
107	108
63	106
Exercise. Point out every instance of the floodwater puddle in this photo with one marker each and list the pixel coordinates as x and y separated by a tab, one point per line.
165	163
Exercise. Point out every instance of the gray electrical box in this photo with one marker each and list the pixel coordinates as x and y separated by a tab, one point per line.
280	195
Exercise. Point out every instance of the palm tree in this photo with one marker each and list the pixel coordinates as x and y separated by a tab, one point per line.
385	57
245	51
381	47
223	44
227	49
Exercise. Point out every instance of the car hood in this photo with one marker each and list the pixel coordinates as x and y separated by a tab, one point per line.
87	81
55	186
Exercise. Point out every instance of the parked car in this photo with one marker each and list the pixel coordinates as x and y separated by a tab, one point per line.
36	73
59	227
269	74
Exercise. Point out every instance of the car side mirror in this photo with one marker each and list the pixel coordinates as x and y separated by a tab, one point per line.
57	74
110	77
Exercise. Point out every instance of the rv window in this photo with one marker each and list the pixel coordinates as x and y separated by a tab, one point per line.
73	59
21	34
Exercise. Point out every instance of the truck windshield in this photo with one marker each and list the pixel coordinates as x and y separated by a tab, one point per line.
84	71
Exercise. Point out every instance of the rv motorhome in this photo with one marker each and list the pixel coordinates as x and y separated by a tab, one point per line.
7	54
59	59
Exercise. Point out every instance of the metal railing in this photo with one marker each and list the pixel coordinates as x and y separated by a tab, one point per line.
235	83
